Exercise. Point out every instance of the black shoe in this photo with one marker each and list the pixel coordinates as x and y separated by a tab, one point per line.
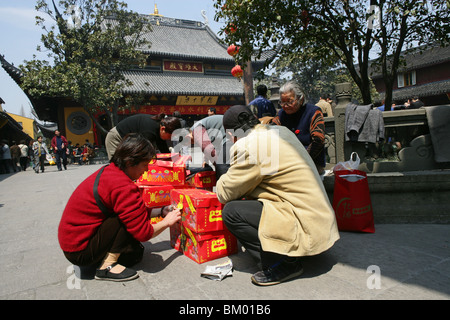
125	275
283	270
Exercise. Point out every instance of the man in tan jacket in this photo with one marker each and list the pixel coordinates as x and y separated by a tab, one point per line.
275	202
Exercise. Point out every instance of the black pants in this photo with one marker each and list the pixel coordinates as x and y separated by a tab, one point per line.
110	237
23	163
61	155
242	217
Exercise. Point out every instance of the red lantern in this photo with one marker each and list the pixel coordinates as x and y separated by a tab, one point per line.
237	72
231	28
233	50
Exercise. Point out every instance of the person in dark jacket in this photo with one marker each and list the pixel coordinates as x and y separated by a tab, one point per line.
156	129
304	120
59	146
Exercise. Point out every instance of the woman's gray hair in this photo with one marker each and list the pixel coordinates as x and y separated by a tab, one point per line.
293	86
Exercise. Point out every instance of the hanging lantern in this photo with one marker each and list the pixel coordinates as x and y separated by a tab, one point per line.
231	28
237	72
233	50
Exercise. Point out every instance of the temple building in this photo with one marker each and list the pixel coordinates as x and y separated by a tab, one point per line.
188	70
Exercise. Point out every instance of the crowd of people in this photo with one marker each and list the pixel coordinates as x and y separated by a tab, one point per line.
268	164
276	216
36	153
413	103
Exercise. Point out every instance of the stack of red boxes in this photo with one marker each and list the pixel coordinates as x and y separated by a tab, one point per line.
166	172
201	235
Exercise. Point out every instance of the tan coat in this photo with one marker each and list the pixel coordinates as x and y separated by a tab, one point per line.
325	107
271	165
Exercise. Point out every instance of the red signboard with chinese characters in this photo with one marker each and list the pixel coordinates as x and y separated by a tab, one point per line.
182	66
156	109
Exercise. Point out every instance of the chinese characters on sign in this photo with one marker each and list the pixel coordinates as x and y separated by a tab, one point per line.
197	109
183	66
197	100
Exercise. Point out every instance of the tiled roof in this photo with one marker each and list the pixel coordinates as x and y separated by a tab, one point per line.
185	39
180	83
188	39
425	90
13	71
419	58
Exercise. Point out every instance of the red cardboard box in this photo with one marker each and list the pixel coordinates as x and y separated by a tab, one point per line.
156	220
166	169
202	247
201	210
203	179
156	196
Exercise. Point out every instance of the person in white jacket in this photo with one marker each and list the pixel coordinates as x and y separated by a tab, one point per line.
40	152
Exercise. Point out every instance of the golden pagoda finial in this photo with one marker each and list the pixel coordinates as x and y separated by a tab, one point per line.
156	12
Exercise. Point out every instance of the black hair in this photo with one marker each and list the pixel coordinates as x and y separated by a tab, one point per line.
171	124
261	90
133	149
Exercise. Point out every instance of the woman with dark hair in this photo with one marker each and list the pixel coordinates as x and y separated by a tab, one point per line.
157	129
105	219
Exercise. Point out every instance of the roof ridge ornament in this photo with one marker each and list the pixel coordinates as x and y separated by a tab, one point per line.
156	12
203	12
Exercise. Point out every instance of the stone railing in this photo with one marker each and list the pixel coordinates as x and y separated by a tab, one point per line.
403	189
408	128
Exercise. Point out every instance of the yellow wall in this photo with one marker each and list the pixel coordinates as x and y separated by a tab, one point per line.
27	124
77	138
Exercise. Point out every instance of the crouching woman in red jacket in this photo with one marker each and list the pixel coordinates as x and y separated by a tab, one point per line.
106	231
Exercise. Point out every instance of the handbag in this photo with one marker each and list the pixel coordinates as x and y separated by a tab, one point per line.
351	201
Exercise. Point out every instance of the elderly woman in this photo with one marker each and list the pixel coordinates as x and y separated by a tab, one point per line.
105	219
305	120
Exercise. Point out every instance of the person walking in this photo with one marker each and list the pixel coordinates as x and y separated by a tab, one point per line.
6	159
59	144
23	155
40	151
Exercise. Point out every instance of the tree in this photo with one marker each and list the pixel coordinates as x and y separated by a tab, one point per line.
357	33
90	51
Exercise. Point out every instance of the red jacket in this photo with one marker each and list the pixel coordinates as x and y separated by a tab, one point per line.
63	140
82	216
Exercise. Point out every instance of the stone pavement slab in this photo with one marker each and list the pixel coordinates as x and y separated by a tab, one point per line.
398	261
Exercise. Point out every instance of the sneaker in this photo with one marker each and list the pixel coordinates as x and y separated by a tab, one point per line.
105	274
283	270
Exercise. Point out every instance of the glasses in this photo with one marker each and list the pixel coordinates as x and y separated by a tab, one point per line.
290	103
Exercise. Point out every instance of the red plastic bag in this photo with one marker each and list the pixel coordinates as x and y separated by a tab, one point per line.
351	201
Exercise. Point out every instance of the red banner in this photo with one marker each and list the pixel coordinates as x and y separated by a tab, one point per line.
171	109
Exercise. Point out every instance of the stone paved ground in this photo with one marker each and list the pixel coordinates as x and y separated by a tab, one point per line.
396	262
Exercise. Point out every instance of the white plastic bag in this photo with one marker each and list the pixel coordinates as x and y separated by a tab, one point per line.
351	164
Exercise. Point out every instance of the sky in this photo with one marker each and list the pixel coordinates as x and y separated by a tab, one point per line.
20	36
